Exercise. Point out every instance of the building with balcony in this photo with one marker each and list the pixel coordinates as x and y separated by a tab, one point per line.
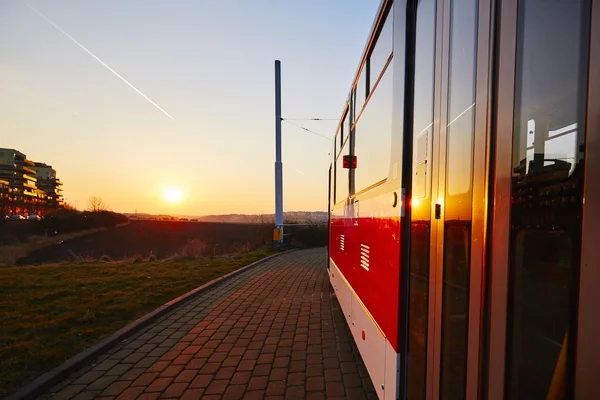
49	184
5	197
32	188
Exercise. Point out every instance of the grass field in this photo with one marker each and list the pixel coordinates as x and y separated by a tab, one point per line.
50	313
162	239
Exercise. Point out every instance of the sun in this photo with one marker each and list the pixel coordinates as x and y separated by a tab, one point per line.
172	195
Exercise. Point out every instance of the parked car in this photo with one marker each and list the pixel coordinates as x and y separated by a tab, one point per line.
17	218
34	218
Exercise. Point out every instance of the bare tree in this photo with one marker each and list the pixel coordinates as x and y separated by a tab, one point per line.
96	204
68	206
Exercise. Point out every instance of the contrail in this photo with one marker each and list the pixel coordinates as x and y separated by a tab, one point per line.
97	59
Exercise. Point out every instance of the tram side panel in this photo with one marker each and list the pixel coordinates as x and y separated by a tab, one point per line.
364	272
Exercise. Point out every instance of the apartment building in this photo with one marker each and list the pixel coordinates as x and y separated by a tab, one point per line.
24	194
49	184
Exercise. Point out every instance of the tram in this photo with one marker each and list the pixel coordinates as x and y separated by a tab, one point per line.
463	208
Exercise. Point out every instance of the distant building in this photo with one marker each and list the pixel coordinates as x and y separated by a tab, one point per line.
5	196
22	194
49	184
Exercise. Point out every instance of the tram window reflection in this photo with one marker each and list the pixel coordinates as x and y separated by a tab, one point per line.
547	193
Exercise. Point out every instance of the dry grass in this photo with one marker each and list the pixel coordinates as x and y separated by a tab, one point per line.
9	254
49	313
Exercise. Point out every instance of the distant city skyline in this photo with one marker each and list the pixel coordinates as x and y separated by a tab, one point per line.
167	107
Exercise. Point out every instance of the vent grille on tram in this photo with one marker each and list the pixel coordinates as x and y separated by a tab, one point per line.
342	242
364	256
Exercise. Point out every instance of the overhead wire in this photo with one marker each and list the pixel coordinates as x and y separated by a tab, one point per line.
306	129
311	119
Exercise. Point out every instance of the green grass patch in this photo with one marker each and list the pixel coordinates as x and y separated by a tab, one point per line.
50	313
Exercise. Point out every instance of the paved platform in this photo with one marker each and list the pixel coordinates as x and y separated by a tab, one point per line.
275	331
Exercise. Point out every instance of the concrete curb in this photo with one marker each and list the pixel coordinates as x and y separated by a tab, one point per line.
50	378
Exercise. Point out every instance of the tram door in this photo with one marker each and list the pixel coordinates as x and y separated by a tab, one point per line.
539	213
497	206
448	198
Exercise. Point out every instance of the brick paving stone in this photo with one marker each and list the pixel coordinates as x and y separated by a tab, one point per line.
192	394
101	383
145	379
217	386
352	381
159	385
210	368
158	366
182	359
148	396
275	331
258	383
131	393
275	388
315	396
88	377
315	383
254	395
69	392
234	392
186	376
240	377
175	390
116	388
196	363
297	365
278	374
131	374
335	389
87	395
118	369
262	370
201	381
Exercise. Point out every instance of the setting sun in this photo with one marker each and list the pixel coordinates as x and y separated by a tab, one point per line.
172	195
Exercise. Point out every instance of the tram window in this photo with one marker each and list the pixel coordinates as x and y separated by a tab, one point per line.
344	129
360	93
420	234
342	185
348	123
461	105
373	135
547	188
382	50
460	134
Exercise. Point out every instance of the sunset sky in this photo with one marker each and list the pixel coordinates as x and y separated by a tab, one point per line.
187	112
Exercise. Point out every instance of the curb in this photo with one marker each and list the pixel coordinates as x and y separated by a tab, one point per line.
50	378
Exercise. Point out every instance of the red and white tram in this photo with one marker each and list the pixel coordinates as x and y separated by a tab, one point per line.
464	211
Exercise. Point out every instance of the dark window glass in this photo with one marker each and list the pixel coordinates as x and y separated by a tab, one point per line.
421	199
360	93
332	173
344	129
373	135
347	124
382	50
547	190
460	134
341	176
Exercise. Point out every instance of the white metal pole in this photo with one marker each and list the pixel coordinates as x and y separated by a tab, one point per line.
278	163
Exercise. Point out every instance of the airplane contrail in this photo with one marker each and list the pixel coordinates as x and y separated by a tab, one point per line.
97	59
